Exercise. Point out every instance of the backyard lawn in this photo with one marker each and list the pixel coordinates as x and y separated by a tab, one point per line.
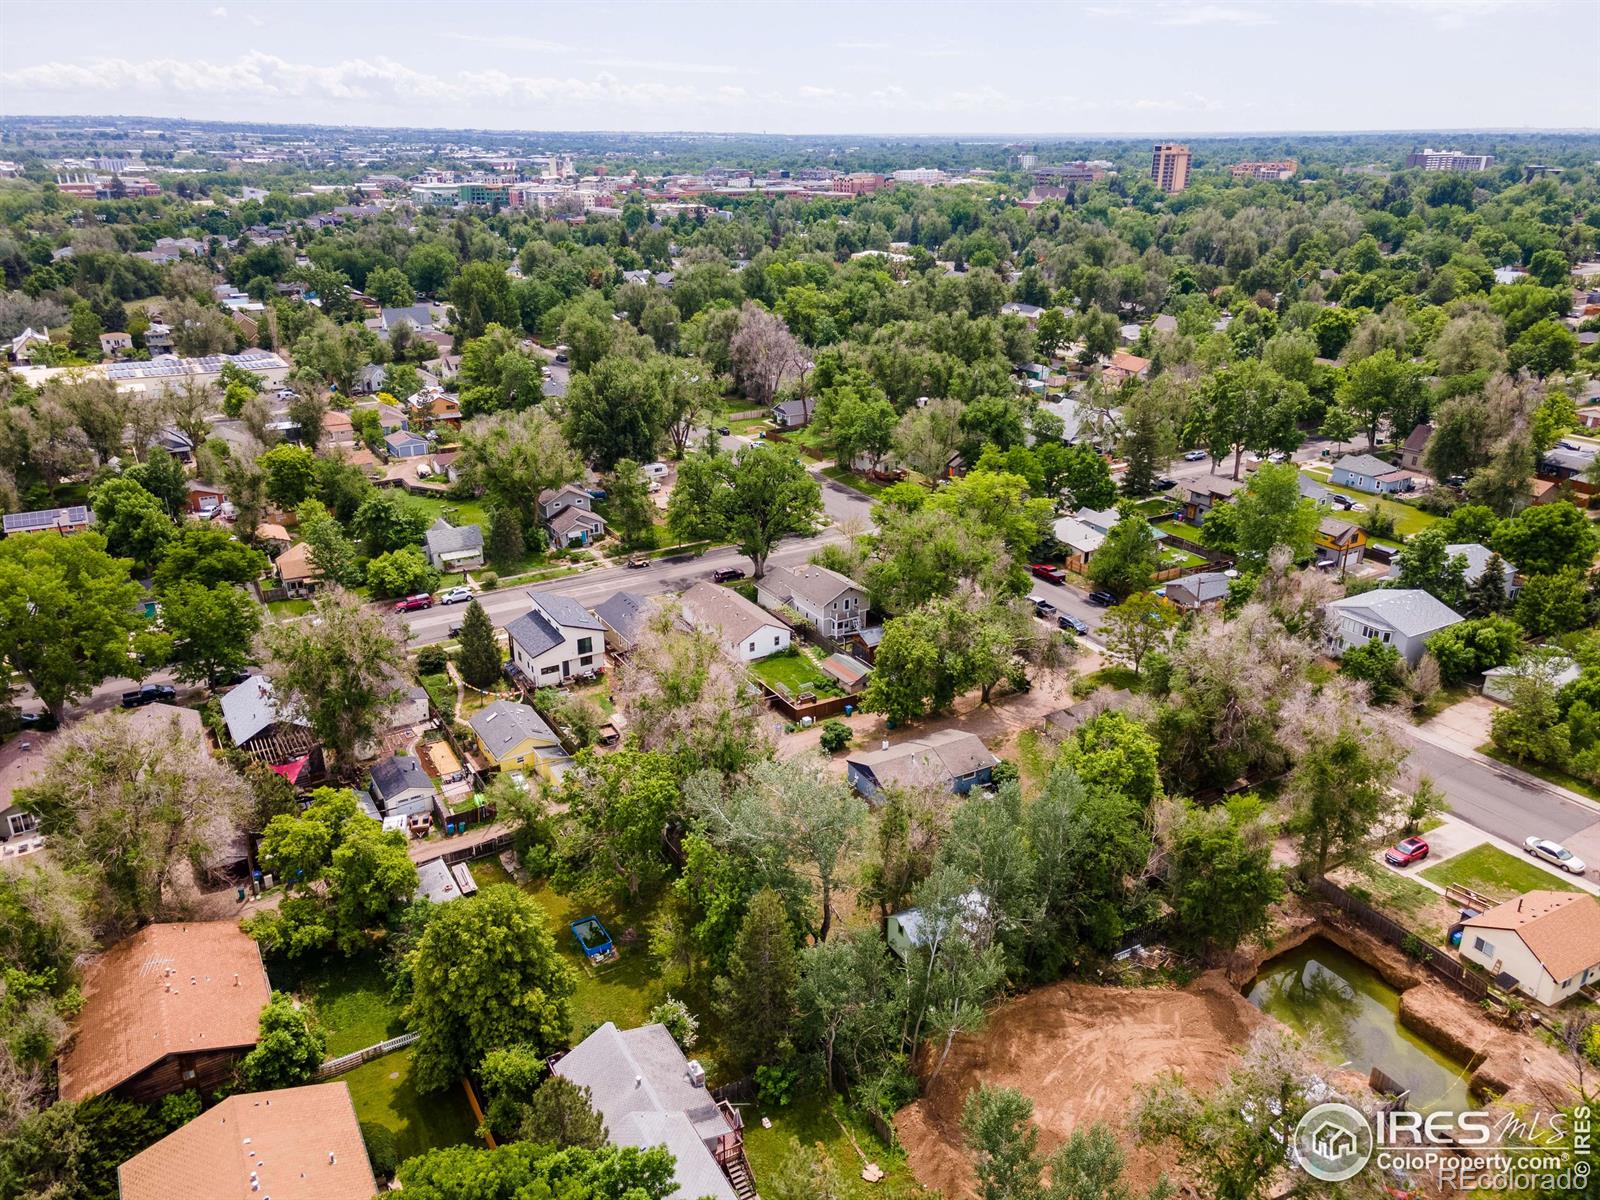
1408	518
798	672
288	608
850	479
457	512
1494	873
350	997
810	1121
382	1093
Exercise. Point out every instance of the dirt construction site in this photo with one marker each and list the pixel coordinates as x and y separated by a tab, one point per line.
1080	1053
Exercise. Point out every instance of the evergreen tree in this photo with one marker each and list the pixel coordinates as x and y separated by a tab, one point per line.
757	995
1487	595
479	657
506	542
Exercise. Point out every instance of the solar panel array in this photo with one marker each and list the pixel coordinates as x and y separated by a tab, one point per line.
46	518
211	364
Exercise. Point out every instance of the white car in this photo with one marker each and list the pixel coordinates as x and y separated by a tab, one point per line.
455	595
1195	456
1555	854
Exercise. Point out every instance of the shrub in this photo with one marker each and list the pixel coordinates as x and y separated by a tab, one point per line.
381	1149
836	736
489	582
432	660
180	1108
775	1085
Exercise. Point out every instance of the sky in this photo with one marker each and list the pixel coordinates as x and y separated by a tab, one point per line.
825	67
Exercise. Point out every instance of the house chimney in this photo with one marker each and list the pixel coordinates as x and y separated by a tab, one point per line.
638	1081
236	979
330	1158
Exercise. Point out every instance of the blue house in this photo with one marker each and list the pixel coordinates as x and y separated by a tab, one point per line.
1367	473
949	758
405	444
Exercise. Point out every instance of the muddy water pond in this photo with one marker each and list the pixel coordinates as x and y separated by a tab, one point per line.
1350	1016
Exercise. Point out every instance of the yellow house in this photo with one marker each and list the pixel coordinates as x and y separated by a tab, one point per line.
1341	544
514	738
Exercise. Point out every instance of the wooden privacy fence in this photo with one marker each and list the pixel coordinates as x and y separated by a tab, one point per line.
346	1062
1450	970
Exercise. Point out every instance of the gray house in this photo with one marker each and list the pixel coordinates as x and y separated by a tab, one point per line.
400	787
1404	618
624	615
1366	473
650	1095
833	604
948	758
455	547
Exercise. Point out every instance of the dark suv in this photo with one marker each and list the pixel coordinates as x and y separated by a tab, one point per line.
724	574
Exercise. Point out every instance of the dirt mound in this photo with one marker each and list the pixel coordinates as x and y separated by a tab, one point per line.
1080	1053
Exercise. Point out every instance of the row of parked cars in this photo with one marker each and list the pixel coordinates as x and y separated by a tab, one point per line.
1415	849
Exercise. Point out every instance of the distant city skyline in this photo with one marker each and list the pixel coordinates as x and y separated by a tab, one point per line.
1168	68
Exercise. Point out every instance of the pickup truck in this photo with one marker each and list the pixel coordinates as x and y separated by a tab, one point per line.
149	694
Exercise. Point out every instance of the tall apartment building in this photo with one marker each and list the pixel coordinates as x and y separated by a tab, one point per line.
1449	160
1169	167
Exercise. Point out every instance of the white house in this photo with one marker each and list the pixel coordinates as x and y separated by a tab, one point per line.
1366	473
746	630
1558	669
556	640
1549	942
1400	617
834	604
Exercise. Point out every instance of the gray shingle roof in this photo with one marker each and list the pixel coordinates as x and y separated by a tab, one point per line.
445	538
398	774
1364	464
505	724
249	708
565	611
624	613
810	582
534	633
572	518
1410	612
950	752
639	1083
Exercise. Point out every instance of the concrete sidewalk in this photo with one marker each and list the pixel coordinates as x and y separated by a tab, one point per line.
1456	836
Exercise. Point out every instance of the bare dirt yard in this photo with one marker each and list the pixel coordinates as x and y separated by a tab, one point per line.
1080	1053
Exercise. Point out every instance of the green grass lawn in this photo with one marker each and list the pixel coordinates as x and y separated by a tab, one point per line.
798	672
1548	774
382	1093
288	608
1111	677
1493	872
457	512
1173	557
1408	518
350	997
1420	909
1188	533
809	1120
850	479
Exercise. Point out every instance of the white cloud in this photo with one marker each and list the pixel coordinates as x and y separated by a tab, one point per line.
219	11
1212	14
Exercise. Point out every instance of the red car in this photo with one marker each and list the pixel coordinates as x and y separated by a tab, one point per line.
412	603
1407	852
1046	571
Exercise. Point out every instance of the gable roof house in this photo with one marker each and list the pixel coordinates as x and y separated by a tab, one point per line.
556	640
1205	494
554	500
625	615
296	573
950	758
1367	473
745	630
454	547
1400	617
1549	942
833	604
514	736
400	787
418	316
1200	592
1411	450
169	1008
300	1143
1079	540
1341	544
650	1095
793	413
576	527
74	519
402	443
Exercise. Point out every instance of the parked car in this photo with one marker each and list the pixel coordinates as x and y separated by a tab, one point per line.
1077	624
1555	854
724	574
724	430
1049	573
413	603
1164	484
1195	456
1403	854
36	722
1042	607
1102	598
455	630
598	493
637	561
456	595
149	694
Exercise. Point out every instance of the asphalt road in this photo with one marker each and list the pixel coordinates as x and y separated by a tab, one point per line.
1497	799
